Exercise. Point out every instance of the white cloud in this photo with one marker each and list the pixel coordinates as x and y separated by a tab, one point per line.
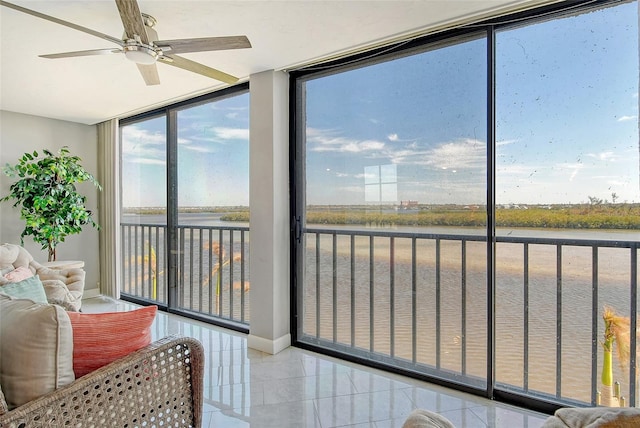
461	154
199	149
134	135
143	147
627	118
455	155
515	169
232	133
219	135
325	141
145	161
603	156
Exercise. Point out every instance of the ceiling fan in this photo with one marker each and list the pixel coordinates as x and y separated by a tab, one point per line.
140	44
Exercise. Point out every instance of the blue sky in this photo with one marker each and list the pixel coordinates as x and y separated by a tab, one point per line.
415	128
213	156
567	118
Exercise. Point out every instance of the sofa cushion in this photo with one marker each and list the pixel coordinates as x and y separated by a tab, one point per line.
8	255
18	274
63	286
594	417
421	418
99	339
58	293
36	349
3	403
30	288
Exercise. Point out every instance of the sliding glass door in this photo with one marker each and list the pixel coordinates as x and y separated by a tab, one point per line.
567	198
392	264
468	206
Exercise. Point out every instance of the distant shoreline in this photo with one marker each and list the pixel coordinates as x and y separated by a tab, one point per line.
621	216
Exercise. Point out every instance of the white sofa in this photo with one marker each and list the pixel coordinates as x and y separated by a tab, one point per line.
63	287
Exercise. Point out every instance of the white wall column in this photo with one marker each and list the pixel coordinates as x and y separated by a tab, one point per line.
109	208
269	209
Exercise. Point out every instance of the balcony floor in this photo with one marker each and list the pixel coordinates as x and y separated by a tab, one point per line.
299	388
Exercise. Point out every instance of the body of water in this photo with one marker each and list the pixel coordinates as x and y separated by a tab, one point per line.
525	346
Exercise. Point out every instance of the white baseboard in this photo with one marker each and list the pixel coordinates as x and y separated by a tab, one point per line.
267	345
89	294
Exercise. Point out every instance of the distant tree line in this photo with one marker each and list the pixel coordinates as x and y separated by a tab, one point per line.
582	216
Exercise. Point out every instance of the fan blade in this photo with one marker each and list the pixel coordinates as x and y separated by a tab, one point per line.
81	53
132	20
196	67
149	74
62	22
203	44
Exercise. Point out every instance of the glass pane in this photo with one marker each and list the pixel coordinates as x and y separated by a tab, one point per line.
213	207
567	188
395	248
144	204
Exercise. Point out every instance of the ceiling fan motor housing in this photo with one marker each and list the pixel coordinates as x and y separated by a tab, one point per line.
139	52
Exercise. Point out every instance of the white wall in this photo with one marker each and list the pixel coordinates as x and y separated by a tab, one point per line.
20	133
269	212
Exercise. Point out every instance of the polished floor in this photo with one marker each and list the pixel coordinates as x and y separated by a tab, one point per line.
298	388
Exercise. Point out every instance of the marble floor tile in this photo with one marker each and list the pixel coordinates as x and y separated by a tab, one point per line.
298	388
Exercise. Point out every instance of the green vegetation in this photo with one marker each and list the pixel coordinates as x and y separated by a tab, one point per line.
239	216
45	192
579	216
163	210
582	216
620	216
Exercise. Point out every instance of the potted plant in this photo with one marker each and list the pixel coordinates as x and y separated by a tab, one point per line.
616	331
46	193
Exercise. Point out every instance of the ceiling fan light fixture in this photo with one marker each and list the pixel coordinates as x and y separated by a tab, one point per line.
140	54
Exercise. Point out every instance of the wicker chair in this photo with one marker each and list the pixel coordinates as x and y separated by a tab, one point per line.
159	385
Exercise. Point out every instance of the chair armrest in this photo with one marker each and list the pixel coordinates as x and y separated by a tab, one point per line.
160	384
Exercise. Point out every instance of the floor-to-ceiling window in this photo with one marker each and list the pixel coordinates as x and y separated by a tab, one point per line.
185	203
144	207
468	204
390	149
566	170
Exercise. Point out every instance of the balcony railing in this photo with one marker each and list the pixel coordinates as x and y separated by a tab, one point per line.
212	272
419	302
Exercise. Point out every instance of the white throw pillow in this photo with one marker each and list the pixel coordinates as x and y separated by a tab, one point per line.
36	349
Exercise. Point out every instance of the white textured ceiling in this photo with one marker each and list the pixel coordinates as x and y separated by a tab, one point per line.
284	34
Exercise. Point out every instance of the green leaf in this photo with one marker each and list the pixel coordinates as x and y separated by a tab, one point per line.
46	195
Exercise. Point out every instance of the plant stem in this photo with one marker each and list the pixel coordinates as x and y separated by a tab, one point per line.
607	368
